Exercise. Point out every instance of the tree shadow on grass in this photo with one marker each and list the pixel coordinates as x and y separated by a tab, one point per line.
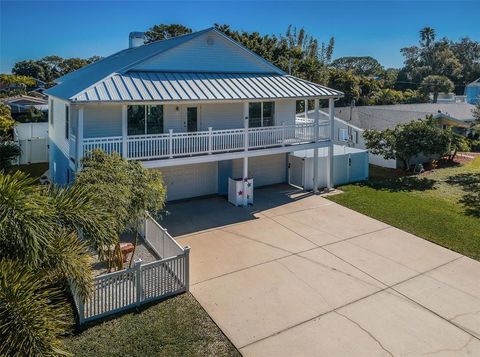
401	183
470	184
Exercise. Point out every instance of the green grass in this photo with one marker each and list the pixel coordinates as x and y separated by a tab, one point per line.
34	170
442	206
175	327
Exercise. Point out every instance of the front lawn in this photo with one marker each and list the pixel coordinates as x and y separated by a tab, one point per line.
175	327
34	170
442	205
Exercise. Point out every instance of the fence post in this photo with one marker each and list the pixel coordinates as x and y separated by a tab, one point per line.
187	267
209	139
164	231
170	143
138	280
81	310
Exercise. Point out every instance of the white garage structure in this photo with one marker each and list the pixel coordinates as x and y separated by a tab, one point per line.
349	165
210	178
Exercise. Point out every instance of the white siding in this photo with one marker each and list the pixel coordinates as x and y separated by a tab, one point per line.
209	53
57	131
102	120
221	116
174	119
265	170
187	181
285	112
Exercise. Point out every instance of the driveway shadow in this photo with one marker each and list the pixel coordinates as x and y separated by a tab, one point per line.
193	215
470	184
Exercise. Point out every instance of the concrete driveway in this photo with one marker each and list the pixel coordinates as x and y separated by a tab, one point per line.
298	275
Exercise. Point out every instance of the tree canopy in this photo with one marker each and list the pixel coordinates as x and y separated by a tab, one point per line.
360	66
436	84
165	32
49	68
408	140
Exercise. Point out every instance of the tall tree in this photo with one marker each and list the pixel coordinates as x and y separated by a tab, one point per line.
468	53
427	36
295	52
360	66
165	32
435	85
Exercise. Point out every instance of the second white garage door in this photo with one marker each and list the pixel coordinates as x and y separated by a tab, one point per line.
187	181
265	170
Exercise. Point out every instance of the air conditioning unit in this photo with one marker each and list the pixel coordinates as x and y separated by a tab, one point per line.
236	192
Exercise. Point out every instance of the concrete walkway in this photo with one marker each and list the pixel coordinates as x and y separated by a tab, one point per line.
298	275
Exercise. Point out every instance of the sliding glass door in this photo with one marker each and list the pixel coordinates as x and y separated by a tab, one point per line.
144	119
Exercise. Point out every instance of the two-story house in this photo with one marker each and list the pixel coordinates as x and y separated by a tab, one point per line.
200	107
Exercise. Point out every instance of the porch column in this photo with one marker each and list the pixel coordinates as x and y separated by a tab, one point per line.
245	158
315	150
79	148
124	132
330	148
305	103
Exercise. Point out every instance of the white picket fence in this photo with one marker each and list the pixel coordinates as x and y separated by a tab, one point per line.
143	283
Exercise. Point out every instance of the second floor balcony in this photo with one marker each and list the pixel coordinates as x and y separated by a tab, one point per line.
186	144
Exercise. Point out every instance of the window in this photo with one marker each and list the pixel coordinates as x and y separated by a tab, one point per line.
261	114
144	119
67	121
50	111
342	134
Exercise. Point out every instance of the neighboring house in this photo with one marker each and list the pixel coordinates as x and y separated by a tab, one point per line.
199	107
449	98
472	91
351	121
21	103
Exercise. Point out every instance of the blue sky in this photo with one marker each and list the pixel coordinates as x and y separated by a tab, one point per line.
31	30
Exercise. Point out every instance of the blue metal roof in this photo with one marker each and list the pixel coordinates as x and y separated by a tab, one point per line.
184	86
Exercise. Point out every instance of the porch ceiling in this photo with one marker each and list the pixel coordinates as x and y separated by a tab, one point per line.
183	86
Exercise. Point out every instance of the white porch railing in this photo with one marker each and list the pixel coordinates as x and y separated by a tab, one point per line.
160	146
108	144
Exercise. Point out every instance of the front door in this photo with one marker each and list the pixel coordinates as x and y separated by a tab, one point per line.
192	119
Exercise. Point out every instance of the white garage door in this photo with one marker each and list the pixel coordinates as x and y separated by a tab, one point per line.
265	170
187	181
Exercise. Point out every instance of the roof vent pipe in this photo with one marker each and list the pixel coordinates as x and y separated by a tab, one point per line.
136	39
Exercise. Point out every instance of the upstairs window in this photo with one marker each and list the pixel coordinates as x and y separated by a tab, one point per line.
67	121
261	114
144	119
50	111
342	134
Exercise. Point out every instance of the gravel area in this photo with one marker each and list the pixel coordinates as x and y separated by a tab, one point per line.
142	251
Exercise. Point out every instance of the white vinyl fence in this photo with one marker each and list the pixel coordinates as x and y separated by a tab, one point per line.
121	290
33	141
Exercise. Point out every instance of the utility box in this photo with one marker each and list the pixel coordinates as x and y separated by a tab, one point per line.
236	192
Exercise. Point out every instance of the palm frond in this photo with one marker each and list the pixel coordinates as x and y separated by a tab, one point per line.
68	259
32	312
25	218
78	208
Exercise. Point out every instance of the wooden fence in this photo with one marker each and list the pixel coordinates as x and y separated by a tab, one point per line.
143	283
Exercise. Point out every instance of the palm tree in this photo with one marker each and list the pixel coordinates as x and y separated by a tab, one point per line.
427	36
40	253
